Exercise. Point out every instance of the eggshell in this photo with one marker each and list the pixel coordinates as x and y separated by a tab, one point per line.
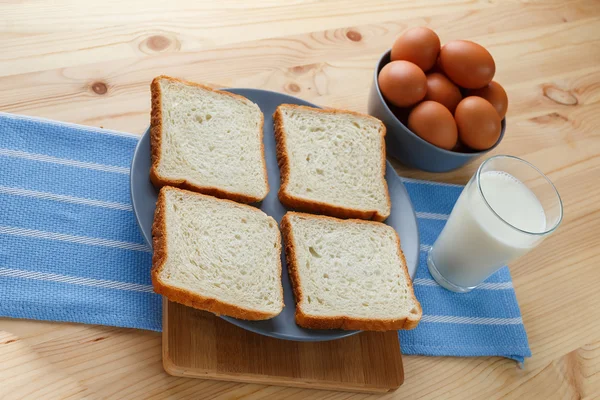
402	83
434	123
495	94
420	46
467	64
442	90
478	123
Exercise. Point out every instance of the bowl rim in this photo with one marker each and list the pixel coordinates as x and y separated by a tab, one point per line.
421	140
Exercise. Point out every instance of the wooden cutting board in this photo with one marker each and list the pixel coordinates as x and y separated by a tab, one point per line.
197	344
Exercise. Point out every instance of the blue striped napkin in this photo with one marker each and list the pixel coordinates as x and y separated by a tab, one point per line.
484	322
70	249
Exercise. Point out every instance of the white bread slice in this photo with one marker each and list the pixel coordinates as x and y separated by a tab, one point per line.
207	141
348	274
216	255
332	162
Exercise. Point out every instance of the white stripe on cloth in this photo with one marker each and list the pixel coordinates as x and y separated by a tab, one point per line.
410	180
448	319
427	215
485	285
63	161
64	198
91	241
425	248
75	280
69	125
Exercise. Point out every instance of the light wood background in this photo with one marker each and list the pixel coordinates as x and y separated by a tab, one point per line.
90	62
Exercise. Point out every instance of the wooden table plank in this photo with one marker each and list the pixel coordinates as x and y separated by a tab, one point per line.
67	33
114	94
100	57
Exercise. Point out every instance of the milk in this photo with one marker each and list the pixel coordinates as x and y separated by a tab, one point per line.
475	242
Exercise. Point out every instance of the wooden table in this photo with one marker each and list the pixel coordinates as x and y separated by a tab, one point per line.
91	63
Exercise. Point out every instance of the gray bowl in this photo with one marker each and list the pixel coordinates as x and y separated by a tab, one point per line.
406	146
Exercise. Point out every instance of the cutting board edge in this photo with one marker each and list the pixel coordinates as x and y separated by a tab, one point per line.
173	369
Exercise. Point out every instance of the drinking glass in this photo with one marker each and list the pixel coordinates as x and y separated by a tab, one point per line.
507	209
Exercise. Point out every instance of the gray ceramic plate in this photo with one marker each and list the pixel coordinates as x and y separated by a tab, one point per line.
402	218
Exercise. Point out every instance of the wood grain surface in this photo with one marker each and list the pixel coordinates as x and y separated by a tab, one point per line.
91	63
198	344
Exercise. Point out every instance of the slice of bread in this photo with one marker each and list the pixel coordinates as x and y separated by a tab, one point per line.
207	141
216	255
332	162
348	274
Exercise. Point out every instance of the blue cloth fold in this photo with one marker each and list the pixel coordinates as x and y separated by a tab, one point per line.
70	248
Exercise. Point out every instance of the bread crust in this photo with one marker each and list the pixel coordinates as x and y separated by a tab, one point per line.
186	297
313	206
156	150
342	321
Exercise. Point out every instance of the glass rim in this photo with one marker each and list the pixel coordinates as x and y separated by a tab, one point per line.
560	203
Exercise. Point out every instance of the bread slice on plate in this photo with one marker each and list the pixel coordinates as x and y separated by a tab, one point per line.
206	140
348	274
332	162
216	255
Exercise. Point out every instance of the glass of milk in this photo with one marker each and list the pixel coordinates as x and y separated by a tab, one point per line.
507	208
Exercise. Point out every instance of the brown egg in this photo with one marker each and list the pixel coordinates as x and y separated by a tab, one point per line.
402	83
467	64
495	94
434	123
478	123
442	90
420	46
